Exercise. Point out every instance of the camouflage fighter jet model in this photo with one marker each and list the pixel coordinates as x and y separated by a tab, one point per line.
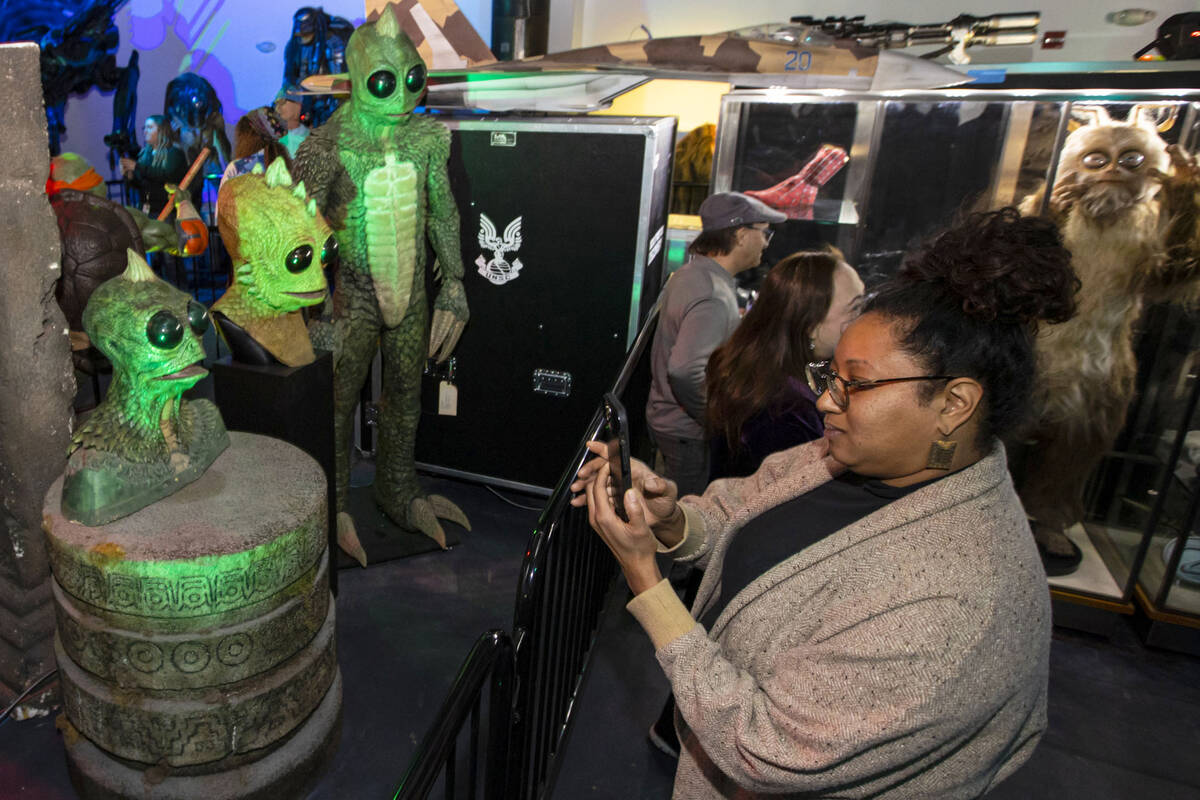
590	78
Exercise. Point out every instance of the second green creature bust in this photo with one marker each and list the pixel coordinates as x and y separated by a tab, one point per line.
279	244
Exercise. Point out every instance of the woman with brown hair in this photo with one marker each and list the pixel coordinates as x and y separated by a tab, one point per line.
160	162
759	401
256	141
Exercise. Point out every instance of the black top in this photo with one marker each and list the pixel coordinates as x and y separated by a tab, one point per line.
783	531
152	179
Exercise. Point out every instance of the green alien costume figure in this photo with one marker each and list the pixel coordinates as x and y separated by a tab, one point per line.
375	170
279	244
144	441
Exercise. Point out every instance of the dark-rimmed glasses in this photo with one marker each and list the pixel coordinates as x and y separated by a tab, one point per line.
823	378
766	232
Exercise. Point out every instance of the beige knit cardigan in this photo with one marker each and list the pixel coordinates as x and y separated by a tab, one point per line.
903	656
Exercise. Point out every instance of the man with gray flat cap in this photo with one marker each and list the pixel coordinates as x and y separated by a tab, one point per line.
698	312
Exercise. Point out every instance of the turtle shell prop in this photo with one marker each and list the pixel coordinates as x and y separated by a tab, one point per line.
95	235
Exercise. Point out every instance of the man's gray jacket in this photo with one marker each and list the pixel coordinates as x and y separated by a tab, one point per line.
698	313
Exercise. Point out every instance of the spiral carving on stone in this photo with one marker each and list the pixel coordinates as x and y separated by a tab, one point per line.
145	657
191	656
234	649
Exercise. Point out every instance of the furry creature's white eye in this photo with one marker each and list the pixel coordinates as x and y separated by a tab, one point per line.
1131	159
1096	160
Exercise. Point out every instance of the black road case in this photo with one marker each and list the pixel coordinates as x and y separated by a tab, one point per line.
563	233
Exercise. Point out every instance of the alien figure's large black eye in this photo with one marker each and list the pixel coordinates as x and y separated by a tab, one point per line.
1096	160
414	81
381	83
329	251
164	330
197	317
299	259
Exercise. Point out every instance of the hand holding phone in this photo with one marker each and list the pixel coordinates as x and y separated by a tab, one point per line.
616	436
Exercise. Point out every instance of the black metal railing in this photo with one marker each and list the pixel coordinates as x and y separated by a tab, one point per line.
564	580
567	573
489	664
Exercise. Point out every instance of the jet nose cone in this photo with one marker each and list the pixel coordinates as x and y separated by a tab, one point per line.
902	71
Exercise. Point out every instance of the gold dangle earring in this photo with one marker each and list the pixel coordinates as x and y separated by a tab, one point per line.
941	454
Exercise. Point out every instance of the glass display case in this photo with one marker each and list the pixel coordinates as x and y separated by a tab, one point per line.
910	162
1151	483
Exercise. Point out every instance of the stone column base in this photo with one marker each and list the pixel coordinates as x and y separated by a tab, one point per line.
290	771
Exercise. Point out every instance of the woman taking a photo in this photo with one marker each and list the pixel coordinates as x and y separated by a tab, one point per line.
874	620
759	401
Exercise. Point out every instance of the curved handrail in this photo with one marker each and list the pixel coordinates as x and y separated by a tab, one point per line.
491	657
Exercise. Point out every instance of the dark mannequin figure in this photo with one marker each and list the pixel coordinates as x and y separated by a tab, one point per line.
194	112
317	47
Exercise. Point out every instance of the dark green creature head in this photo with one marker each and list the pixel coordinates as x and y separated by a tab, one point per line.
277	239
387	75
149	330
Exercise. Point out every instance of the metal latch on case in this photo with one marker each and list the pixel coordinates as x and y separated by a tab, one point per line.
552	382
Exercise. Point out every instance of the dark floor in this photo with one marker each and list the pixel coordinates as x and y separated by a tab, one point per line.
1124	720
403	628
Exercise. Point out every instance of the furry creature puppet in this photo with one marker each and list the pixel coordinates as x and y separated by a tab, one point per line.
1126	204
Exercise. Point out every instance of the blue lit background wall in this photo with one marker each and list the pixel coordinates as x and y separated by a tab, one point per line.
223	41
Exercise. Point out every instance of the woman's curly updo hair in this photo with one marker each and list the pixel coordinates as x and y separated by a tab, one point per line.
968	302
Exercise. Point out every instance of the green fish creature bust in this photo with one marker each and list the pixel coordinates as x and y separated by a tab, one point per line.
144	441
279	244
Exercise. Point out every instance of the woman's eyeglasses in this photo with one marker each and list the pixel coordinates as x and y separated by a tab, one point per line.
823	378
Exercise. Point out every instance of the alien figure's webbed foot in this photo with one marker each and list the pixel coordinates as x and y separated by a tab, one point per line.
423	513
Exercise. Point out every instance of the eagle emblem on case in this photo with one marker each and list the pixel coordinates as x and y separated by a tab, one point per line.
499	270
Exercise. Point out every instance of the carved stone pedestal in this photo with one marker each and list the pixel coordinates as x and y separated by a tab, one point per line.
195	638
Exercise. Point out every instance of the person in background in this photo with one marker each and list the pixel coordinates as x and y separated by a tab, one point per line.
161	162
759	401
698	311
256	141
289	106
874	619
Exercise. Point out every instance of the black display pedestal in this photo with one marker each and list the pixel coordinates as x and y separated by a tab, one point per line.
294	404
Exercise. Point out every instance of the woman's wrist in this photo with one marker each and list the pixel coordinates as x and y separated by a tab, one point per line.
642	577
670	530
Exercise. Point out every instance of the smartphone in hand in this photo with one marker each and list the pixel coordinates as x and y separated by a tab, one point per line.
616	436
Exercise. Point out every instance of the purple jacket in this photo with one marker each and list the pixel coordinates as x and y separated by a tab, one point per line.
791	420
